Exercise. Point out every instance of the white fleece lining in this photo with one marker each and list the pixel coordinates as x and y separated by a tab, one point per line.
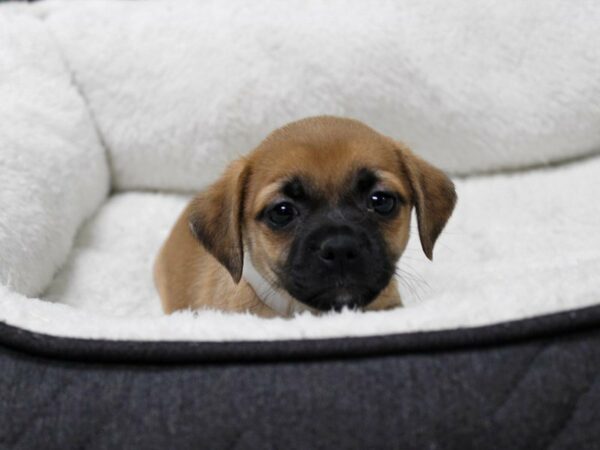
517	246
76	104
473	87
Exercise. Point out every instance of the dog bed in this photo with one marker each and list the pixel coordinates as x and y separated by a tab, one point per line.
114	113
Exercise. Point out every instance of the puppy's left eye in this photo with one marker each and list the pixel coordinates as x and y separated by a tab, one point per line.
281	214
382	203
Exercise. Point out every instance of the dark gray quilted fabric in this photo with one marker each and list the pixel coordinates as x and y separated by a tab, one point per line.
531	393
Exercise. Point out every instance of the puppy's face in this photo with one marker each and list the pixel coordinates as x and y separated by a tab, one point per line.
323	208
328	221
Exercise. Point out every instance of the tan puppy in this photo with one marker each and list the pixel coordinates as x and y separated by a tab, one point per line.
315	219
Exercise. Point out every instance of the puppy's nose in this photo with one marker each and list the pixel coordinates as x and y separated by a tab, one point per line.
338	251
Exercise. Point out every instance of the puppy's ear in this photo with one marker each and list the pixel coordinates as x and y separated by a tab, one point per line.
216	218
434	197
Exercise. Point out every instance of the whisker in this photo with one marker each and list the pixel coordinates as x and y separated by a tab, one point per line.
413	274
411	289
413	282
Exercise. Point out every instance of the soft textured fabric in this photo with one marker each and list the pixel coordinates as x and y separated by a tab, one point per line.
159	95
517	246
53	170
472	86
507	387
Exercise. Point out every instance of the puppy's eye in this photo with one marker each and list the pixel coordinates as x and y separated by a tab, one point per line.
382	203
281	214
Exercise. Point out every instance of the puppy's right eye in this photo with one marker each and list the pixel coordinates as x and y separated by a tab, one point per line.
382	203
282	214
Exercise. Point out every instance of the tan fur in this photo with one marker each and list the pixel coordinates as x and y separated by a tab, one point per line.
187	276
326	150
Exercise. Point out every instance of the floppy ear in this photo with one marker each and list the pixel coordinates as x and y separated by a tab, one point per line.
216	218
434	197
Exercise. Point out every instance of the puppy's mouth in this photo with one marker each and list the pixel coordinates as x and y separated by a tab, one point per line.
331	265
336	298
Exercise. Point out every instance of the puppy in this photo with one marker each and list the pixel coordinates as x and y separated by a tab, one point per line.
314	219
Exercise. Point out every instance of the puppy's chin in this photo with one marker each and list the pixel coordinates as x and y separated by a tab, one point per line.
336	298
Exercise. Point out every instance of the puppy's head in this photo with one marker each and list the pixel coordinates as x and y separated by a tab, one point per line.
323	209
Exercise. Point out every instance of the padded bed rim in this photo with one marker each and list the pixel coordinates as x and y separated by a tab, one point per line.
564	324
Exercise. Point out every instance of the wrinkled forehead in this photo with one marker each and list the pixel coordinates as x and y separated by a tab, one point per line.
325	171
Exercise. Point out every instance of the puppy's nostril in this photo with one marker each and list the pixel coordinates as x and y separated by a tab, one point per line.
327	254
339	249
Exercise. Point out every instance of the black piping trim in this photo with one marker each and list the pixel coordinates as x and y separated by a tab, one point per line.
566	325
